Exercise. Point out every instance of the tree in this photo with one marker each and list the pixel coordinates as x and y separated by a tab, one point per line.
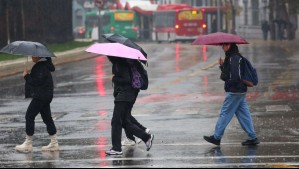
283	18
293	20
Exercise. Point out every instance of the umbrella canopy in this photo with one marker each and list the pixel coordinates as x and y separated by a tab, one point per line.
116	38
116	50
219	38
27	48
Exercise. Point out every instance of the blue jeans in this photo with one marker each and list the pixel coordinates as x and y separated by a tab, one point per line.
235	104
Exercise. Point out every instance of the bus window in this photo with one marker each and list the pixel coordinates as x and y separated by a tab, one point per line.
190	15
124	16
164	19
106	20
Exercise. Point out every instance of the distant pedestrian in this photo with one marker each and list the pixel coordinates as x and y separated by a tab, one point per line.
125	97
281	25
235	101
39	86
265	29
214	26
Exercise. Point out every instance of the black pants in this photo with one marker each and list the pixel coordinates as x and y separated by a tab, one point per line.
122	119
134	121
43	107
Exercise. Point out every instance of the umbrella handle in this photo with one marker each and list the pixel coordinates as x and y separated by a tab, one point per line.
26	64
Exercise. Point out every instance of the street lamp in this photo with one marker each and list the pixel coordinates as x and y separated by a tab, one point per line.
246	11
218	16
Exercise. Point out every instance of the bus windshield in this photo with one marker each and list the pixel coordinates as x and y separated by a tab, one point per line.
124	16
190	15
164	19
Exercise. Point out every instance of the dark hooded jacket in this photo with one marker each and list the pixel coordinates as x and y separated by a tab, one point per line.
123	90
39	83
232	70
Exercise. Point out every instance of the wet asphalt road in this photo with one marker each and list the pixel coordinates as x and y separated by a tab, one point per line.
180	107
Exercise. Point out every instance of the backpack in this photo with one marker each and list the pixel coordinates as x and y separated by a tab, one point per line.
249	77
139	76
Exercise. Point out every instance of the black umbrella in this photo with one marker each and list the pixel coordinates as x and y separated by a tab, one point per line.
27	48
116	38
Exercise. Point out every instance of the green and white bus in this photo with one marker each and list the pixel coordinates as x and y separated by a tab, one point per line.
123	22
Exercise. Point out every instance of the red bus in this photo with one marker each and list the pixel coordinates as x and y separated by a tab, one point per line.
175	23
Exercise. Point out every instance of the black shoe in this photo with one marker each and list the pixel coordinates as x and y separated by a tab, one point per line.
211	139
251	142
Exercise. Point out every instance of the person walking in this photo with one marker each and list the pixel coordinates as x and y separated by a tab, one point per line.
125	97
265	29
130	139
235	101
39	86
214	25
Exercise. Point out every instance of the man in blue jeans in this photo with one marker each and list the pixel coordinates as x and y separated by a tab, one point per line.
235	101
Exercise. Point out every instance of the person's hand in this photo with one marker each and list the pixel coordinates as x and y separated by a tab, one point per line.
25	72
220	61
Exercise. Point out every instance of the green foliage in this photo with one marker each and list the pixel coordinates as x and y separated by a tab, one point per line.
67	46
9	57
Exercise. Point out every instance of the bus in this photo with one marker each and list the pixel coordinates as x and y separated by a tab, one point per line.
91	22
179	24
122	22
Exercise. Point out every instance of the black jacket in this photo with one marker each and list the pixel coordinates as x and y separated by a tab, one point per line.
123	90
232	70
39	83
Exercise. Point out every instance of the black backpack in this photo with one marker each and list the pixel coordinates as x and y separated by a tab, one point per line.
139	76
249	74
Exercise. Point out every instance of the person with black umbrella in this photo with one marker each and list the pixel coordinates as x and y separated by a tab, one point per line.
39	86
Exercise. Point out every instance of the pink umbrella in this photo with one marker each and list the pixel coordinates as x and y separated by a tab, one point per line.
219	38
117	50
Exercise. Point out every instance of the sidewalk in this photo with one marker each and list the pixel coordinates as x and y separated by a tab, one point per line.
13	67
288	45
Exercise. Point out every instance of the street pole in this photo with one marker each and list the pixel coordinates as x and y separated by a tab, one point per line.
23	19
99	4
100	25
7	22
233	31
218	16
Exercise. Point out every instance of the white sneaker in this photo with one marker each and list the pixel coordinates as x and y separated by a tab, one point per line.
113	152
149	143
128	142
138	140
